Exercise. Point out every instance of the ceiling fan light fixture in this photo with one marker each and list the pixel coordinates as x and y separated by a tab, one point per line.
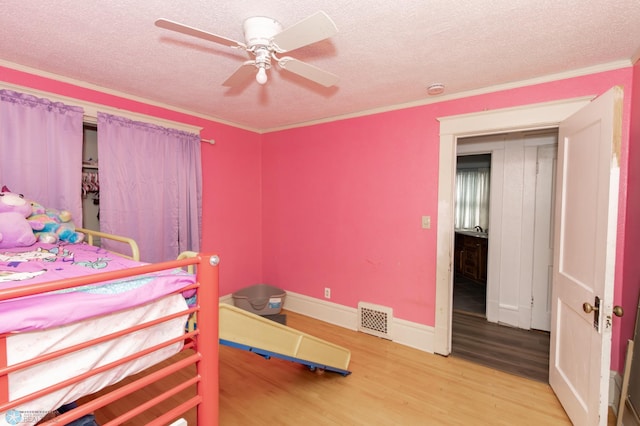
263	63
261	76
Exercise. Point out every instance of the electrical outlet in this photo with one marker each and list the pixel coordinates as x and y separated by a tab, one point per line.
327	293
426	222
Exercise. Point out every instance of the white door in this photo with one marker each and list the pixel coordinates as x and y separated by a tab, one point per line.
543	238
584	260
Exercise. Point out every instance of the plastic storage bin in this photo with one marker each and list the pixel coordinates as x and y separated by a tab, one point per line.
260	299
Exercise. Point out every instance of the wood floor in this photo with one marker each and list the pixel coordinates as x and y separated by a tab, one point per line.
521	352
390	384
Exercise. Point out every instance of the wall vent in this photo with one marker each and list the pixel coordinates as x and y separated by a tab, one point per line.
375	319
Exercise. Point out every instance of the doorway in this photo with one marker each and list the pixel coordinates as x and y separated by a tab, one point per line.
537	116
502	236
590	135
471	230
520	250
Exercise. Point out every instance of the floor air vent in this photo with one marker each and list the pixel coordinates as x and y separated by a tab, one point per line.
375	319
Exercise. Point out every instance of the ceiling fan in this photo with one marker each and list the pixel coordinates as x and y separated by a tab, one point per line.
265	39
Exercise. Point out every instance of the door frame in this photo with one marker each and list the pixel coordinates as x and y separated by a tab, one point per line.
528	117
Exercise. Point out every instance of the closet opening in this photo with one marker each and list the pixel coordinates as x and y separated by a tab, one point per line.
90	179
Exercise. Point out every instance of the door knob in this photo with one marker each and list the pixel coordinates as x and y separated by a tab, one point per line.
588	307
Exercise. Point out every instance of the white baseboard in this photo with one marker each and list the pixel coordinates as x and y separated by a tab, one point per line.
418	336
406	333
615	389
323	310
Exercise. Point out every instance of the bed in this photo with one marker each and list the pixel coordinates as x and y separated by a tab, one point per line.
75	318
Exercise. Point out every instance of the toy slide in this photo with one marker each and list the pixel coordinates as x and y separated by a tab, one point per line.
244	330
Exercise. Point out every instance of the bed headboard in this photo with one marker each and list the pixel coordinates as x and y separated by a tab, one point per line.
91	235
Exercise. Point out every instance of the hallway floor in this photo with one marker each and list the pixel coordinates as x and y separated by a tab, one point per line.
521	352
469	296
524	353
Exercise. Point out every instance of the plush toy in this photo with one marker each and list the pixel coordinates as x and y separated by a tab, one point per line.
56	225
15	229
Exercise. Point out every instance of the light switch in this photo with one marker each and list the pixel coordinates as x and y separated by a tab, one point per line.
426	222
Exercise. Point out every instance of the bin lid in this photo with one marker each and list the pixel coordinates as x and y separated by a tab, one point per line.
259	290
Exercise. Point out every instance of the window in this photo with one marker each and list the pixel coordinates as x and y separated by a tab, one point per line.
472	191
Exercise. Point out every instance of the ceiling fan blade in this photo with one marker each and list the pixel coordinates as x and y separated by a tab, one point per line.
185	29
308	71
241	75
310	30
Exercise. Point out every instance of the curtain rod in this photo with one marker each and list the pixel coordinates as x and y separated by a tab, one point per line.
211	141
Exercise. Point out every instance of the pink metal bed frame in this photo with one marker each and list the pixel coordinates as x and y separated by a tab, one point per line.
203	340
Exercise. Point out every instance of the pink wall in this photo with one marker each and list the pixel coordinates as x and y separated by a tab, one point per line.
231	208
342	207
339	204
342	201
631	234
231	180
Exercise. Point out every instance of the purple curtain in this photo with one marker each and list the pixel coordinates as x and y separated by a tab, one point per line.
41	151
150	186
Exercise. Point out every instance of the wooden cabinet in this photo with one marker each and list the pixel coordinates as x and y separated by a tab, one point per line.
458	257
484	243
471	257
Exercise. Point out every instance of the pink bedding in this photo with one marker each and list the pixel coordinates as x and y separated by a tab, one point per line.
48	262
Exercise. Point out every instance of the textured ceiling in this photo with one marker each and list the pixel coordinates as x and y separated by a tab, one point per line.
386	53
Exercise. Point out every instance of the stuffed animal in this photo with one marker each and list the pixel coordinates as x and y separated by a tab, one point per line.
15	229
56	225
